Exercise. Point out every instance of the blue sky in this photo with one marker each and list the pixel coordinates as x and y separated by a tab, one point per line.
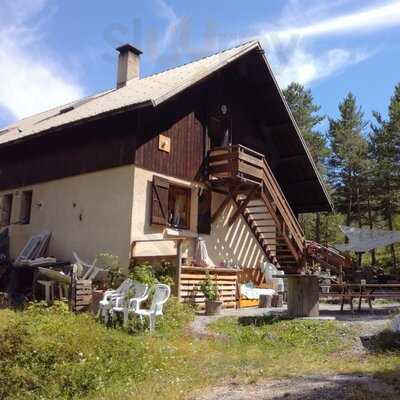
52	52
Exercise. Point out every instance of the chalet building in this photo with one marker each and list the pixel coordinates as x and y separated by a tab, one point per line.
206	149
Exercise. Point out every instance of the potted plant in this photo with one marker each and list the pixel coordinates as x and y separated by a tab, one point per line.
211	293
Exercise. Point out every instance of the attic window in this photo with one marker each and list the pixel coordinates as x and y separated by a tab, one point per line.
6	202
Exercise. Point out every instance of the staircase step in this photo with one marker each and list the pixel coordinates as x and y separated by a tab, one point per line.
281	257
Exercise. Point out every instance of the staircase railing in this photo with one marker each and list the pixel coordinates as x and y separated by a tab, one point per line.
241	162
327	256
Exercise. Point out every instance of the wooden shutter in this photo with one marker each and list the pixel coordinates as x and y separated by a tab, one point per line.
204	212
159	205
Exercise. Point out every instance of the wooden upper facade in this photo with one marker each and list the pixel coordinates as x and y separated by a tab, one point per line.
256	117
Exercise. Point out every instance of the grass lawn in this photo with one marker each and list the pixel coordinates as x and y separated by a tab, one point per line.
49	353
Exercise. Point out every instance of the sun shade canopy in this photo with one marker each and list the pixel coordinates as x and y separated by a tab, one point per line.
362	240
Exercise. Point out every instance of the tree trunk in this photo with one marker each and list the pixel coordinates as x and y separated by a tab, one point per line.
359	217
349	207
371	226
318	227
390	222
392	248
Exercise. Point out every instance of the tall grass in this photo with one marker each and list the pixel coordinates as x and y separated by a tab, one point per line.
50	353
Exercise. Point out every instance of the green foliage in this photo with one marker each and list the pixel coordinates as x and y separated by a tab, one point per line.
112	265
50	353
143	273
151	274
209	288
165	272
274	333
348	163
305	113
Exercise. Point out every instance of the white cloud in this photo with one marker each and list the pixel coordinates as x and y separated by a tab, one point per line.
173	22
366	20
289	45
30	79
304	67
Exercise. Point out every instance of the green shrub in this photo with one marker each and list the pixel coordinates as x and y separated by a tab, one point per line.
386	341
209	288
165	272
143	273
111	264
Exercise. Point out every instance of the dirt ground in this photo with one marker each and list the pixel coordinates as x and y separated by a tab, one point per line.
316	387
334	387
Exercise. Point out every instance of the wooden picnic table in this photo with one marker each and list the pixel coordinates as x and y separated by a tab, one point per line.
367	291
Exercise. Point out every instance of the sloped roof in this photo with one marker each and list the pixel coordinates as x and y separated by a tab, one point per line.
151	90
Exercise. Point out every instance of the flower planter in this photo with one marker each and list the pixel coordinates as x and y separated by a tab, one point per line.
213	307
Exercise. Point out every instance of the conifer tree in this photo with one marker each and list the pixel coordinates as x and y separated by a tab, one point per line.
306	115
385	150
348	163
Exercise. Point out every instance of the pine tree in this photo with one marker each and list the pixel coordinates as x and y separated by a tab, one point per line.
305	112
348	163
385	149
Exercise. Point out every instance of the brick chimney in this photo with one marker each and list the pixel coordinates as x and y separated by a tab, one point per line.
128	64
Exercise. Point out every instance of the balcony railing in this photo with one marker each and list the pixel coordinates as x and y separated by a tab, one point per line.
239	163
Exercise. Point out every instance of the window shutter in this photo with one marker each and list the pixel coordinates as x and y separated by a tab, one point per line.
204	213
159	205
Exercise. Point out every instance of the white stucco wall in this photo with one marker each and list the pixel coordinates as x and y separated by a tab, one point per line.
106	211
89	213
236	242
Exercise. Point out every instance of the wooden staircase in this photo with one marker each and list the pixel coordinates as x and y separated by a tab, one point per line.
247	180
326	256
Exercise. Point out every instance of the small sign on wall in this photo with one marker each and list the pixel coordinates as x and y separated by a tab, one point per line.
164	143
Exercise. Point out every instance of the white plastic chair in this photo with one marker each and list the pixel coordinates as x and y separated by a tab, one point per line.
110	297
140	294
89	271
161	295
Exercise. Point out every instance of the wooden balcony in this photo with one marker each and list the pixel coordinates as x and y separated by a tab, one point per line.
245	176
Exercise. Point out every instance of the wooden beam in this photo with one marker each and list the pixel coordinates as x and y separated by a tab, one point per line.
296	157
179	263
303	182
221	208
243	205
266	251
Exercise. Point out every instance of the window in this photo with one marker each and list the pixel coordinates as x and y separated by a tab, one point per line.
170	204
6	208
179	207
26	207
219	131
